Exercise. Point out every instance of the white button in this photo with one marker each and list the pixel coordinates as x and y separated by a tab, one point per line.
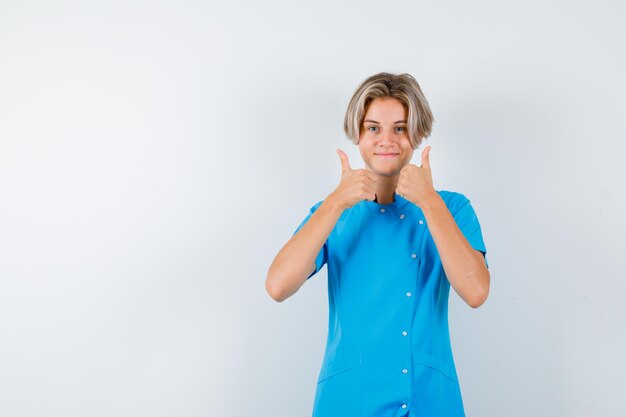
403	405
413	256
421	222
382	210
402	216
404	371
404	333
408	294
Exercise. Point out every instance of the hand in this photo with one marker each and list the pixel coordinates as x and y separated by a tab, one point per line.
416	183
355	186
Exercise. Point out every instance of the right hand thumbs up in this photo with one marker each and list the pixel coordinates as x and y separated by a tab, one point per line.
355	186
345	165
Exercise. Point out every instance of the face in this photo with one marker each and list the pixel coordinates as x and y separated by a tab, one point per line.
384	143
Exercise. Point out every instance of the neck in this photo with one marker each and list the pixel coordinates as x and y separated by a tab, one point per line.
385	189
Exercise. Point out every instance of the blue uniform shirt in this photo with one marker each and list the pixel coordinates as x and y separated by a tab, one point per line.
388	350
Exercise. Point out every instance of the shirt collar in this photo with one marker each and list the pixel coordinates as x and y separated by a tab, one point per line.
398	202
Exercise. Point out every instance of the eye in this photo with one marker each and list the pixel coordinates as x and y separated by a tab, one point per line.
401	129
372	127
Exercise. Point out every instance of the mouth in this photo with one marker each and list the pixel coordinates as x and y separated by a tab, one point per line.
386	155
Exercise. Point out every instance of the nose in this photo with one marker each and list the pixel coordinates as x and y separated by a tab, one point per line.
386	139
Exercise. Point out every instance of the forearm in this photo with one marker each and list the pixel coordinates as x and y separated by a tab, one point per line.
296	260
463	265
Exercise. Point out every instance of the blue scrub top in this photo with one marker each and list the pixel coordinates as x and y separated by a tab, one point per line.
388	350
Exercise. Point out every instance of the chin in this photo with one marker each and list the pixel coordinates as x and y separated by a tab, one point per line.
387	172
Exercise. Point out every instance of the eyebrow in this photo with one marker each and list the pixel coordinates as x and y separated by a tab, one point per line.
374	121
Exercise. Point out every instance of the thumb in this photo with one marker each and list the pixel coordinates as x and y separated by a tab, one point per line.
426	157
345	165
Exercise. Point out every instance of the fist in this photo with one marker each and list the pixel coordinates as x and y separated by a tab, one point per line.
416	183
355	185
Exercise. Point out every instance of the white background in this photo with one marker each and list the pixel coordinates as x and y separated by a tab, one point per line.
155	156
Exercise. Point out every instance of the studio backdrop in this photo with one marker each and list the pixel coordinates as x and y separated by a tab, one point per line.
155	156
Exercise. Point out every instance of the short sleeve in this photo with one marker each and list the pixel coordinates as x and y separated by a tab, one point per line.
322	256
466	219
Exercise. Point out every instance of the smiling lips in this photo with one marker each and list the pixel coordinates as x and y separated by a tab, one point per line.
386	155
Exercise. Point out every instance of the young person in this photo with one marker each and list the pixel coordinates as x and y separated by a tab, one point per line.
393	245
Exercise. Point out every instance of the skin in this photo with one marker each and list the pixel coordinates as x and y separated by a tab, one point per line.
382	134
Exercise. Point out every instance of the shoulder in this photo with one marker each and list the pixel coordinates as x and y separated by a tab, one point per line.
453	199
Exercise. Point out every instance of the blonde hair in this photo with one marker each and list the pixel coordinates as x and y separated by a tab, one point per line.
400	86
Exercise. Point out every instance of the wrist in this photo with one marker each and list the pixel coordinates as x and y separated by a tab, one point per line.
432	202
333	202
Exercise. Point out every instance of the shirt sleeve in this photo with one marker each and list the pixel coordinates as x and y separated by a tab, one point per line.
322	256
466	219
